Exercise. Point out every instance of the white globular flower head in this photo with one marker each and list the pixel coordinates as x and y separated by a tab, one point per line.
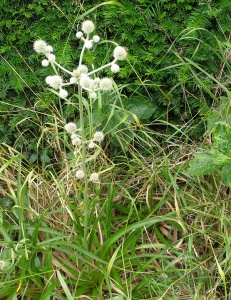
88	44
94	177
106	84
88	26
76	141
70	127
40	46
51	57
119	53
49	49
96	38
45	63
93	95
86	82
97	80
91	145
115	68
63	93
79	34
98	136
79	174
73	80
54	81
82	69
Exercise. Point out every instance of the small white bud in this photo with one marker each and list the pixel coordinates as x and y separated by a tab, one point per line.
91	145
115	68
51	57
45	63
63	93
49	49
79	34
88	26
93	95
98	136
106	84
94	177
79	174
70	127
76	141
88	44
96	38
119	53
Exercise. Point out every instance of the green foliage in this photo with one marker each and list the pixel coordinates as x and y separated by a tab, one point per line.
218	156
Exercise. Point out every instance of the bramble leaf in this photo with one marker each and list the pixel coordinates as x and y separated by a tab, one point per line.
207	162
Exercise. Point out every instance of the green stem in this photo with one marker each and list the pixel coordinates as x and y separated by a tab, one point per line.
84	168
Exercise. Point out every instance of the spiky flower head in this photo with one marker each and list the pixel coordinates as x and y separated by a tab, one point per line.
106	84
119	53
86	82
94	177
63	93
98	136
40	46
70	127
91	145
88	26
115	68
79	174
82	69
76	141
54	81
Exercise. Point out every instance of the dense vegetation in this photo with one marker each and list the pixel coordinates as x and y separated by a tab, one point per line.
150	228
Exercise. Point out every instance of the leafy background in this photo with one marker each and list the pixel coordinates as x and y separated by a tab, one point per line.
157	82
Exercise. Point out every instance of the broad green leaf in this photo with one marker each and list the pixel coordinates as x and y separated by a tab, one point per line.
207	162
226	175
141	107
222	138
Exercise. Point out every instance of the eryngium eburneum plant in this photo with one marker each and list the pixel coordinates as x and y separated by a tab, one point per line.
85	80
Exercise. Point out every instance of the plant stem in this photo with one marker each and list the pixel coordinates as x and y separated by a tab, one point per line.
84	168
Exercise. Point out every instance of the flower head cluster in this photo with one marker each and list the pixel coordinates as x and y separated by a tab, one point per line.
87	28
81	75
